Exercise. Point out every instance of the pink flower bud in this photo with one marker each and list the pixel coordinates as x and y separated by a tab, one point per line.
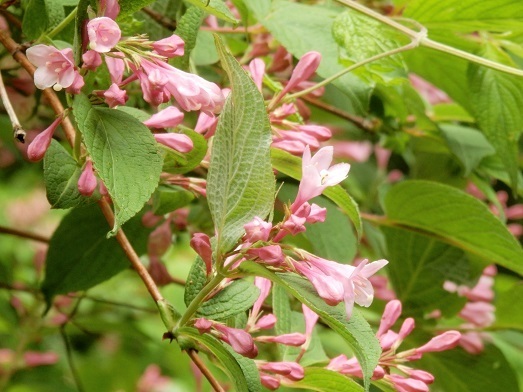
201	243
116	66
355	151
305	68
403	384
478	313
206	124
87	182
406	328
169	47
311	318
109	8
472	342
104	33
421	375
33	358
103	189
203	325
176	141
390	315
158	271
160	239
150	220
294	225
257	70
388	339
319	132
269	382
445	341
317	214
76	86
266	322
92	60
115	96
240	341
289	339
290	370
265	287
169	117
271	254
40	143
257	230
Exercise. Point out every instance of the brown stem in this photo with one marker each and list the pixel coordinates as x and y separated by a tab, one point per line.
24	234
363	123
16	51
159	18
13	20
130	253
205	371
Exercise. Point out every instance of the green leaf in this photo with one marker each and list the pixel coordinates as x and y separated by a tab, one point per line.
360	37
195	281
356	331
467	15
187	29
323	380
169	198
241	373
508	308
124	154
129	7
80	256
36	19
240	183
239	296
178	163
281	308
418	267
454	217
496	102
61	174
458	371
204	52
291	166
80	18
312	24
469	145
510	344
216	8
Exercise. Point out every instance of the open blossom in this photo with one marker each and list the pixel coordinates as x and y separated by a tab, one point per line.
317	175
104	33
55	68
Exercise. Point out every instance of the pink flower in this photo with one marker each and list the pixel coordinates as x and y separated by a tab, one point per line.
270	254
290	370
289	339
305	68
478	313
87	182
270	382
34	358
169	47
116	66
169	117
257	70
390	315
40	143
76	86
257	230
403	384
115	96
54	67
104	33
240	341
206	124
176	141
201	243
91	59
317	175
443	342
266	321
311	318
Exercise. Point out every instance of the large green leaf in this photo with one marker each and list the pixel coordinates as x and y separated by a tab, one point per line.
496	102
240	182
124	153
239	296
61	174
36	19
312	24
187	29
458	371
356	331
454	217
241	371
195	280
291	166
418	267
508	308
216	8
467	15
80	256
361	37
469	145
323	380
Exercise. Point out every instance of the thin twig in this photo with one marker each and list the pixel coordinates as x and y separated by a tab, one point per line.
114	303
18	131
24	234
15	50
360	122
161	19
205	371
69	352
131	253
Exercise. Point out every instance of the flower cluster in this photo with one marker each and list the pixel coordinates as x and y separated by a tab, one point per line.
406	379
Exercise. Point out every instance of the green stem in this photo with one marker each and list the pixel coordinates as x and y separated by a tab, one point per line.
68	19
428	43
197	301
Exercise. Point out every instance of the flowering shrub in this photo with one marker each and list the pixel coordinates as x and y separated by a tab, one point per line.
307	206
